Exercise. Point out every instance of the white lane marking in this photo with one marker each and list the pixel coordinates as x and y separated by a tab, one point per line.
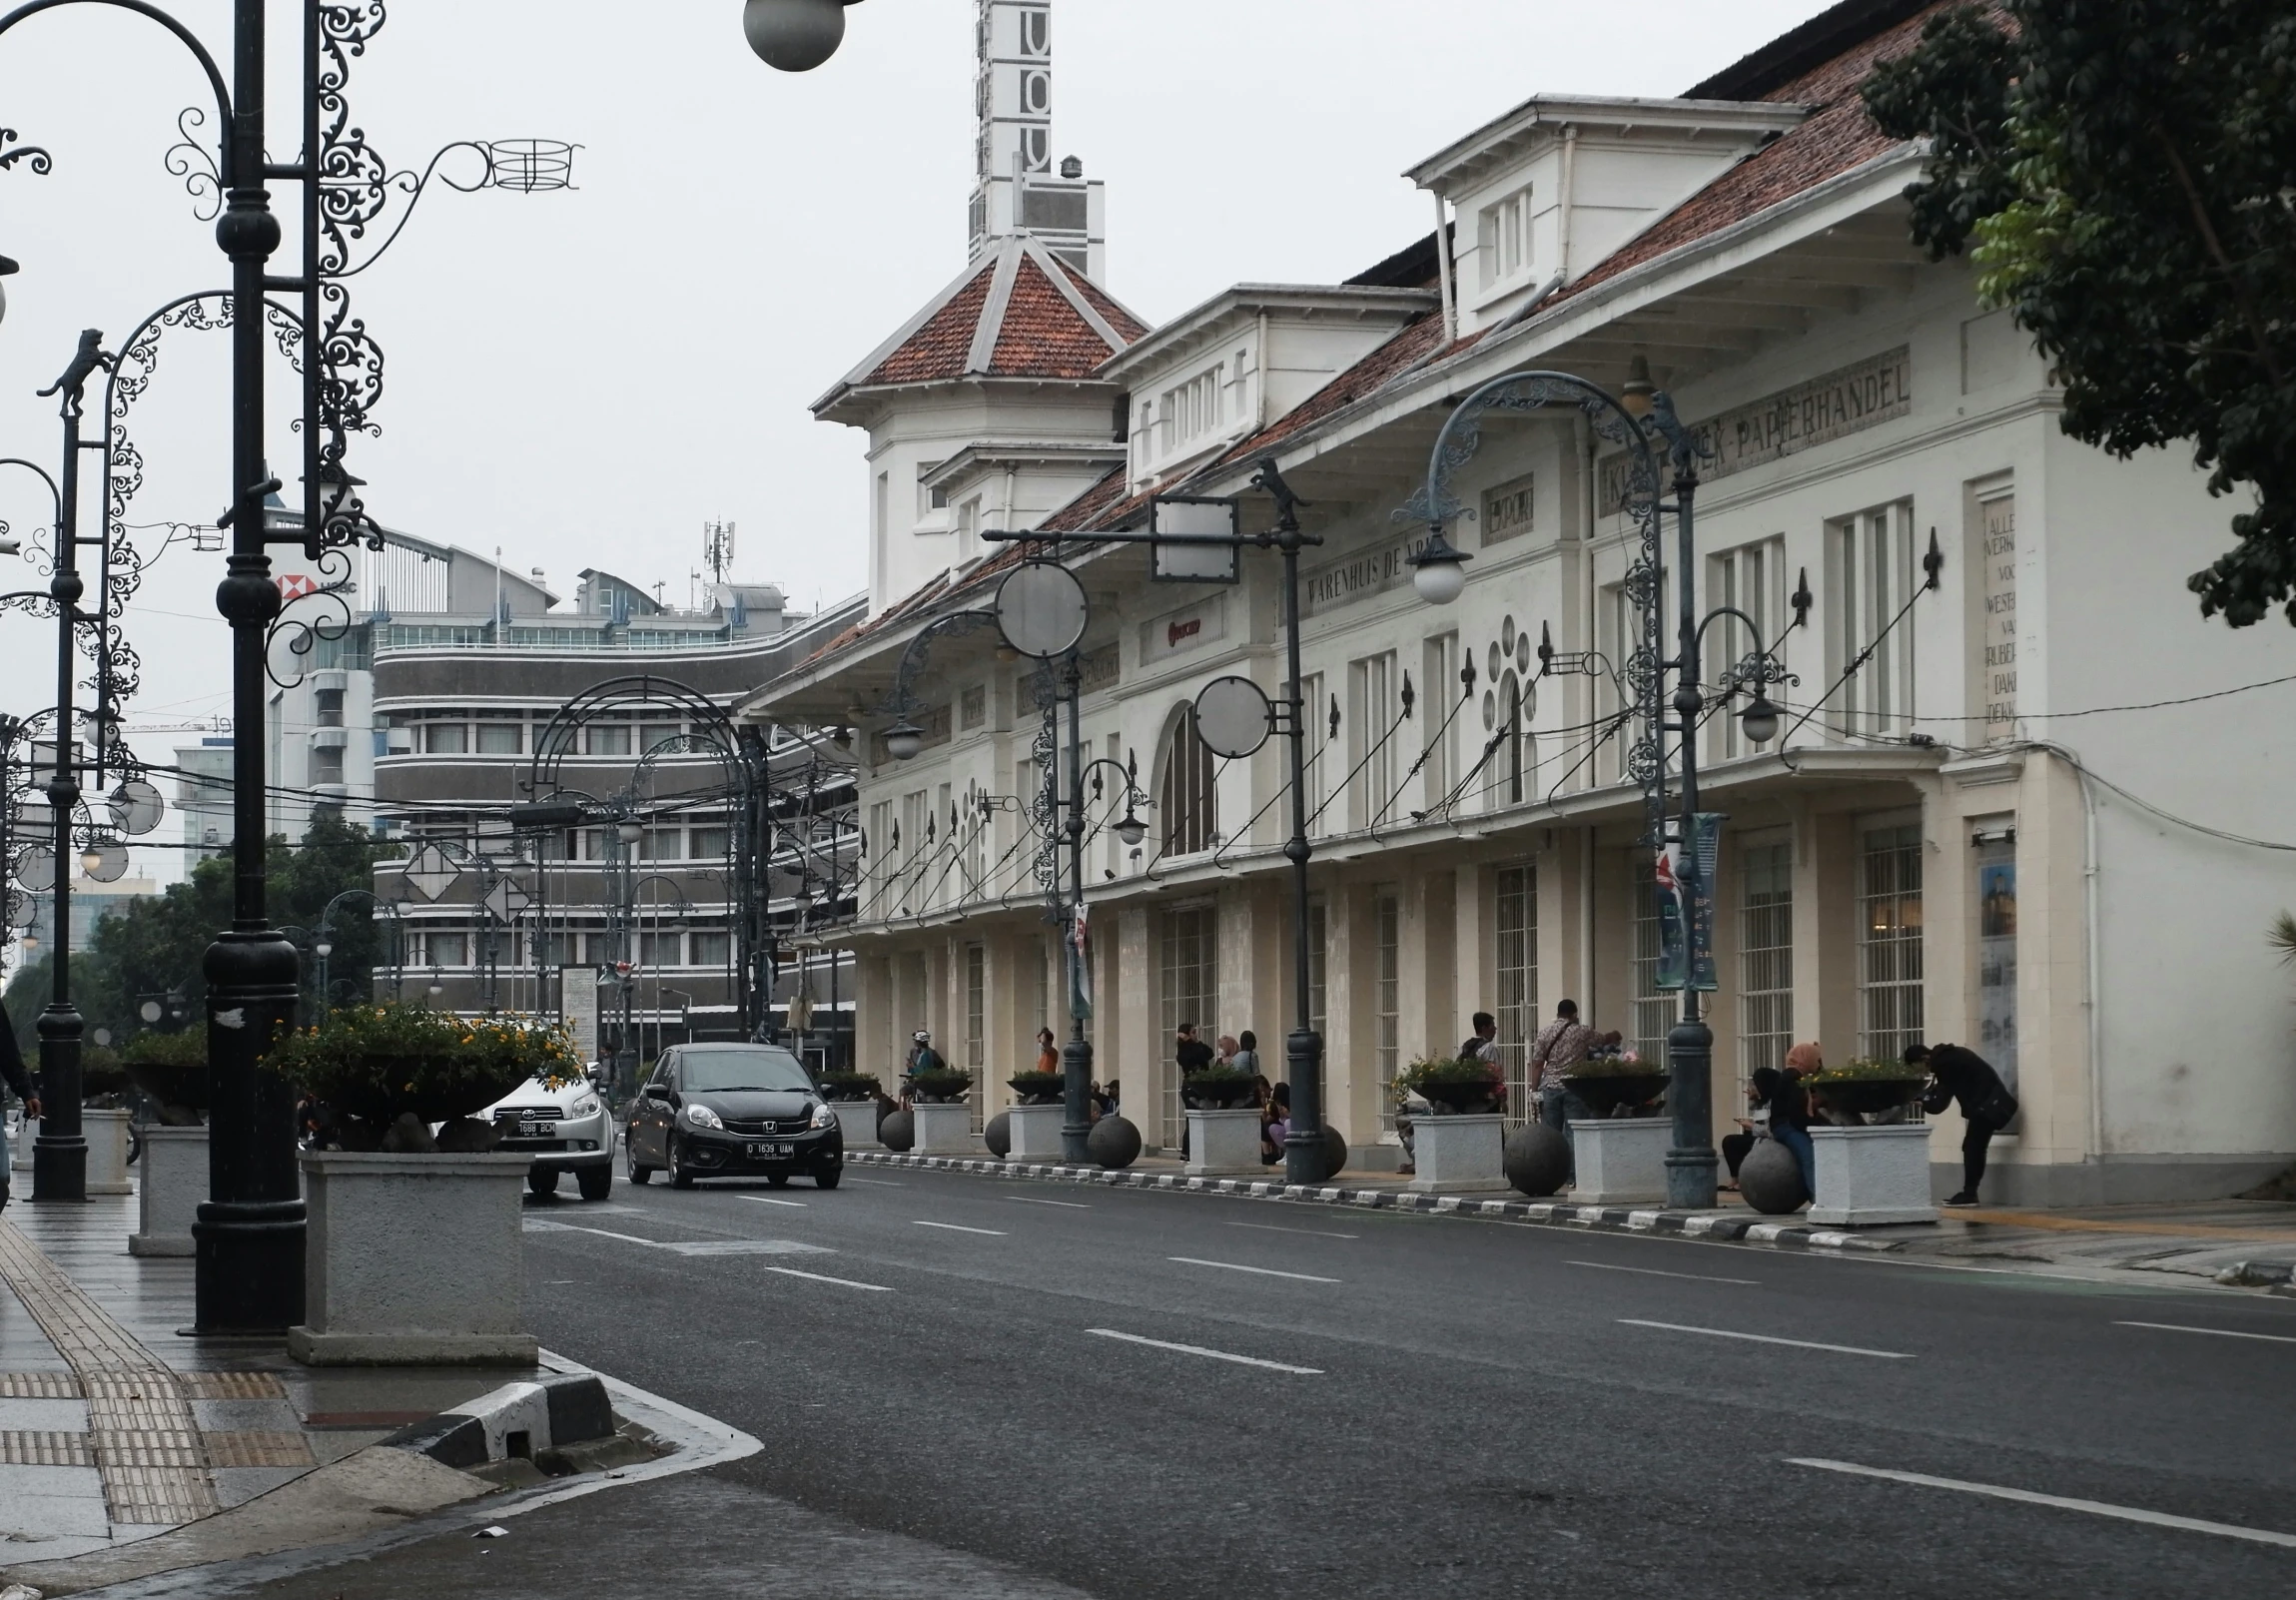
2095	1508
881	1183
2220	1333
763	1199
1311	1233
1198	1349
823	1277
1262	1272
1030	1199
1764	1339
1652	1271
703	1247
959	1227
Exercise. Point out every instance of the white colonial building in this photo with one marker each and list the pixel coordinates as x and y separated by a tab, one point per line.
2016	809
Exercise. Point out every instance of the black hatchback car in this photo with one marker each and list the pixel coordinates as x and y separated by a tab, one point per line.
733	1110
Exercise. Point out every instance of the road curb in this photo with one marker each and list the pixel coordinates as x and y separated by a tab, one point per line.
516	1420
1549	1214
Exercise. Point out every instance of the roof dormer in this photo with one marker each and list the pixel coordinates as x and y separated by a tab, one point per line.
1552	187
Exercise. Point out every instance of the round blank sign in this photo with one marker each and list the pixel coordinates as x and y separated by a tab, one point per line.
137	807
1233	717
1041	608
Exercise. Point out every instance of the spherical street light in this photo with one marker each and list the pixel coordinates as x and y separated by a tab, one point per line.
1438	571
1131	830
1760	719
904	741
324	947
794	35
8	269
90	859
150	1010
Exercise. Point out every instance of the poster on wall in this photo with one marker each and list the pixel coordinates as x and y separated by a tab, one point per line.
1998	958
578	990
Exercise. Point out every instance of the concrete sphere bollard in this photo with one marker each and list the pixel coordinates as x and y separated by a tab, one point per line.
998	1136
1537	1159
1769	1178
897	1131
1334	1151
1113	1142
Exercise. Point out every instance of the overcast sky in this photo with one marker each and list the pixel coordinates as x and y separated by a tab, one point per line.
584	378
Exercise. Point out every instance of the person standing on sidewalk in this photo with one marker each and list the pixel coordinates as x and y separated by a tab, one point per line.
1957	1072
1561	1044
20	1084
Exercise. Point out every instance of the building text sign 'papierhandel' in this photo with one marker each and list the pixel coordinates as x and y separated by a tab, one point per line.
1842	401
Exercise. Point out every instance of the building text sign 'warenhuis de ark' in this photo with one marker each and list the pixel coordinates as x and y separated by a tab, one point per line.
1876	389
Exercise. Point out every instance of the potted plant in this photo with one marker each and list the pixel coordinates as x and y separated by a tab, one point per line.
1866	1086
1040	1111
942	1122
1618	1151
1876	1173
1605	1084
1463	1146
1217	1088
1459	1086
854	1100
413	1253
171	1071
1038	1089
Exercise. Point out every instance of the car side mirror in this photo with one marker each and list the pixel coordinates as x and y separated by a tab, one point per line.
657	1091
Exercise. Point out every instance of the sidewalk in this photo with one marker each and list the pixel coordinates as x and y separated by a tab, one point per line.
115	1427
2237	1243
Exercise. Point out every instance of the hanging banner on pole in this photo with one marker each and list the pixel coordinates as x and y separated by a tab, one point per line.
1081	967
1699	893
579	1008
1672	946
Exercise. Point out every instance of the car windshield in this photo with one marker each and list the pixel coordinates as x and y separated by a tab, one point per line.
722	1070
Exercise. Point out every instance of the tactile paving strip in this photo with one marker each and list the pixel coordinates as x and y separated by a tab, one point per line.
39	1386
140	1425
21	1448
231	1385
260	1448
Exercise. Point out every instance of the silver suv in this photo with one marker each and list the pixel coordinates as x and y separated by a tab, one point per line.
566	1130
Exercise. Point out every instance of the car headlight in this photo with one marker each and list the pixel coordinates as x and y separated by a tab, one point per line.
703	1117
825	1116
587	1106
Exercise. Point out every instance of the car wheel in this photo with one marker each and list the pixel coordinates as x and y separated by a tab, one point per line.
596	1182
777	1180
827	1178
681	1177
639	1175
542	1180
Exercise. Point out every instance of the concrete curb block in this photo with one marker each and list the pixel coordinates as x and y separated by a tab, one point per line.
514	1421
1551	1214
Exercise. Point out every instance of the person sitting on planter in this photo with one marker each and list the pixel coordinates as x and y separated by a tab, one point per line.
1104	1098
20	1084
1736	1146
1788	1106
1245	1057
1275	1124
1561	1044
1047	1053
1957	1072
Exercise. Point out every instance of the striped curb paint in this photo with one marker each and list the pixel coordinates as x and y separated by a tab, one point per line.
1551	1214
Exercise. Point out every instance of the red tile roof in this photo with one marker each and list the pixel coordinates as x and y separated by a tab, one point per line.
1042	327
1041	335
939	349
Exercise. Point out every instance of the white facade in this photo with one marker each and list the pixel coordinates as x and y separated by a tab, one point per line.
1998	814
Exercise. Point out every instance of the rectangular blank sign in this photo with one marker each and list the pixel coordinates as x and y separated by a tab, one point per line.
1171	562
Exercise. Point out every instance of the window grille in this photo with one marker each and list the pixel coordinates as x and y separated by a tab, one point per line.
1889	941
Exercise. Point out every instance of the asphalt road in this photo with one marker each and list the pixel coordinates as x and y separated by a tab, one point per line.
974	1388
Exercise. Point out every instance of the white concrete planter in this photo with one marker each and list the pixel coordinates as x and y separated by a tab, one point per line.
1871	1175
945	1130
107	1136
412	1261
174	1183
1620	1159
857	1121
1035	1132
1456	1154
1223	1144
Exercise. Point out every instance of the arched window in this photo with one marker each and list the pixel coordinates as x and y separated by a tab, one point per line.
1189	804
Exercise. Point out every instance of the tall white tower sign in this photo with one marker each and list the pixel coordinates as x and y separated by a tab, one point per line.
1016	187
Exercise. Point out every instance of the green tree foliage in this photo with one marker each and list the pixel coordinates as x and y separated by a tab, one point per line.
156	945
2123	172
